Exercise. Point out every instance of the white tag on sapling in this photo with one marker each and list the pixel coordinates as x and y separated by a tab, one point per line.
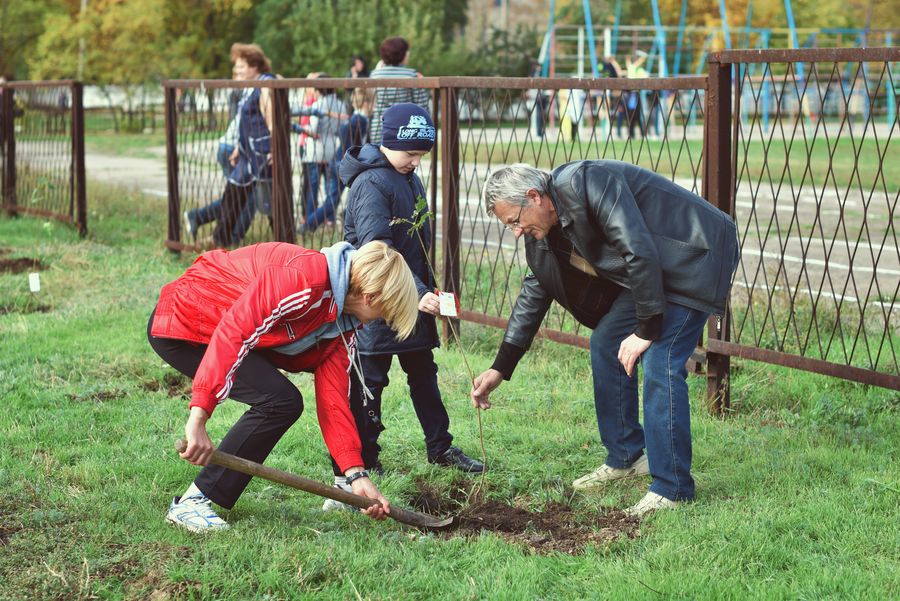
34	282
448	304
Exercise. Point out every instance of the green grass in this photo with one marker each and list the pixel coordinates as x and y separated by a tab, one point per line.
142	146
798	488
833	163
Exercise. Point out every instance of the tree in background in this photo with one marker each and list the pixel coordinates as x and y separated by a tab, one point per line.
321	35
122	46
130	45
198	36
21	24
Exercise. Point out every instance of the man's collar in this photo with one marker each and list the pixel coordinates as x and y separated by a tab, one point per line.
561	212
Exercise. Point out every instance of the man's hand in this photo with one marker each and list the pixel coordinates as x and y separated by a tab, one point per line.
630	351
366	488
199	446
430	303
483	386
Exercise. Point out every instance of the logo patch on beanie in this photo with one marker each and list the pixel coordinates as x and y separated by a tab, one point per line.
416	129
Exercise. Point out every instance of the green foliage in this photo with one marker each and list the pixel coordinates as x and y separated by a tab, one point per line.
198	36
21	24
140	41
419	217
321	35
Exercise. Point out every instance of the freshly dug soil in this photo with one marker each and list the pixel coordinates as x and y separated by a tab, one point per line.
175	385
36	308
20	265
556	528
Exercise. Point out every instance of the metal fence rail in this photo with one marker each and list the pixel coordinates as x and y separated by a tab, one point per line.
42	141
816	187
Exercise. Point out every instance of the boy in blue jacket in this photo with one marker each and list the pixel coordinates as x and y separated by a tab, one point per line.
383	186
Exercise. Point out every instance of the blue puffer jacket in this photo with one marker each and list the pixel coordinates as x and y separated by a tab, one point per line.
378	194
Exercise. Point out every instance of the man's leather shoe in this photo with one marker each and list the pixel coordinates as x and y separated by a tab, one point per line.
454	457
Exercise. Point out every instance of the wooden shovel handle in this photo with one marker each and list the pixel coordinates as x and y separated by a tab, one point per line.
245	466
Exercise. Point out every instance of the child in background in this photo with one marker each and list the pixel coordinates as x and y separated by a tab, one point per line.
321	155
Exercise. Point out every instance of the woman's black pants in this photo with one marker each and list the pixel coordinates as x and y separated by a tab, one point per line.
275	404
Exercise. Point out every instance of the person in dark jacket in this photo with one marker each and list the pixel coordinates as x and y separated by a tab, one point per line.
383	186
661	261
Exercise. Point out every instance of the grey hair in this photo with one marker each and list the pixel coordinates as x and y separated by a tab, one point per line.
510	184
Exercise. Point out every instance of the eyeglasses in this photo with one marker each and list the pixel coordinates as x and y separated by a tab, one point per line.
513	226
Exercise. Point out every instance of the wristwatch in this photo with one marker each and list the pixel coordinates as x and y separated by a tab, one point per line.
356	476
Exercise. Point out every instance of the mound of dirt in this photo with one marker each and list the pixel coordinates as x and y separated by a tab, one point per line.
429	500
19	265
175	385
556	528
24	309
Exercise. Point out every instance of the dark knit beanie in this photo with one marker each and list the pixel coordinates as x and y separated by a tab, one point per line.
407	126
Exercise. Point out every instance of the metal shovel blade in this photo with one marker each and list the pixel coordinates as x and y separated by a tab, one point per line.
239	464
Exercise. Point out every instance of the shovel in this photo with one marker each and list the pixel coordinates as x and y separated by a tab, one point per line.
238	464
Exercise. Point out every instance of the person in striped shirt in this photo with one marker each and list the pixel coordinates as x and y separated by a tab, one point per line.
394	56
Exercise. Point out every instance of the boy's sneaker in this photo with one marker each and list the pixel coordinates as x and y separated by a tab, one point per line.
605	473
332	505
190	224
196	514
650	503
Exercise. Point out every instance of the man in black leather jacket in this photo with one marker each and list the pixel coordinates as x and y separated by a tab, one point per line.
644	263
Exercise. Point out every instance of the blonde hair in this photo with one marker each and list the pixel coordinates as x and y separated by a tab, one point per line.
363	99
376	268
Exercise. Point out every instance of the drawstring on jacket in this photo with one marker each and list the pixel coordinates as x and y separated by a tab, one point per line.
356	362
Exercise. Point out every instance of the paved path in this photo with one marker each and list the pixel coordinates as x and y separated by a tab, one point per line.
143	175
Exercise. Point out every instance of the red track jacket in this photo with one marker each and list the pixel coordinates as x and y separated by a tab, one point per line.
259	297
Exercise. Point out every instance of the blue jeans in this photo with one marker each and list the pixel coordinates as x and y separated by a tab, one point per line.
214	211
222	155
667	419
317	216
421	376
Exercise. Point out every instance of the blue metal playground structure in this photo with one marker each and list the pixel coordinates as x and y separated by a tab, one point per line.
572	51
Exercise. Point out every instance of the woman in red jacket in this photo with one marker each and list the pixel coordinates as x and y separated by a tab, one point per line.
233	319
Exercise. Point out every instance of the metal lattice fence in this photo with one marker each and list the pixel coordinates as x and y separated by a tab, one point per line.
796	145
289	202
42	126
816	188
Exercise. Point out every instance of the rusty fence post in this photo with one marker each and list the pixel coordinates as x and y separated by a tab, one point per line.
433	181
172	165
719	184
282	184
450	194
9	139
78	170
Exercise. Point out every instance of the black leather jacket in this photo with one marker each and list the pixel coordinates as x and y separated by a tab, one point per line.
636	229
550	278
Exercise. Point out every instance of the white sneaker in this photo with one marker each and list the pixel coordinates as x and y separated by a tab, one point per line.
650	503
190	224
332	505
196	514
604	474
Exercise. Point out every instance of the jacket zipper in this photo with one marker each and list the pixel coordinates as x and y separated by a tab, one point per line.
290	331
